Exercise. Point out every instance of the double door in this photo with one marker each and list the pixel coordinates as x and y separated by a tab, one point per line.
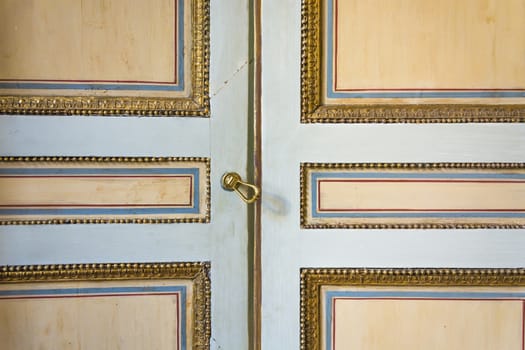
255	275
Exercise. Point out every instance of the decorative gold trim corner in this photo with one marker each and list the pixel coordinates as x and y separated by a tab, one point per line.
313	279
195	272
196	105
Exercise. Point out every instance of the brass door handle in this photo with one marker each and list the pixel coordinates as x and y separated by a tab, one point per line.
232	182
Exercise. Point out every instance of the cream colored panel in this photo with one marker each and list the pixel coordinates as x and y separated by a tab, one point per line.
413	195
89	322
174	190
346	195
104	57
104	190
424	324
88	40
414	44
412	309
412	61
105	306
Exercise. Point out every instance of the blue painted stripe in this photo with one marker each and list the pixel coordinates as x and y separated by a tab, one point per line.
394	214
102	211
109	290
107	211
196	192
329	297
330	49
396	94
118	86
91	86
417	175
79	291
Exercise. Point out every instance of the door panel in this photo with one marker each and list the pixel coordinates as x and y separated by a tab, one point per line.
405	195
411	62
222	242
132	306
286	248
51	190
105	57
412	308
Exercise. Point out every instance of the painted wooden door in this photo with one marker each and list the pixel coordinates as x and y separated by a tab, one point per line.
287	246
221	138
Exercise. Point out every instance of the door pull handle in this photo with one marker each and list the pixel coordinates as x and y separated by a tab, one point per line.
232	182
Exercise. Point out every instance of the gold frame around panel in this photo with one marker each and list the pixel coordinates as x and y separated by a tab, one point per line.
99	160
314	111
196	272
196	105
312	279
397	166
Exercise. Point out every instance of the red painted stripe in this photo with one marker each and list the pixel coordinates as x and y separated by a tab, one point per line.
93	176
83	296
336	88
426	89
439	299
425	210
429	181
91	81
174	82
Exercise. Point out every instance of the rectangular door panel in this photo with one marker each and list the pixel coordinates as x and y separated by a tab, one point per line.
103	190
128	305
426	195
105	57
412	309
408	61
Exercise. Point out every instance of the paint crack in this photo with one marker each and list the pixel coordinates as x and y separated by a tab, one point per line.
227	81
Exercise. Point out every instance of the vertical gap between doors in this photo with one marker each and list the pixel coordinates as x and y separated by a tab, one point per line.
254	174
